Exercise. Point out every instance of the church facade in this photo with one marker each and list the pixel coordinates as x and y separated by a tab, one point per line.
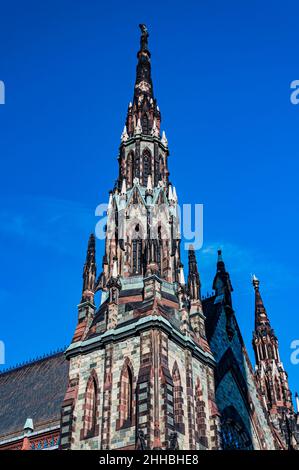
156	366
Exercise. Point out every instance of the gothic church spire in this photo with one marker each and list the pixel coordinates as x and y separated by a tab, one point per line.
89	270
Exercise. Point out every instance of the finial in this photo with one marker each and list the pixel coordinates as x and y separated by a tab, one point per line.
182	276
138	128
28	426
170	195
114	269
255	281
164	139
174	194
124	135
220	262
149	186
155	130
123	188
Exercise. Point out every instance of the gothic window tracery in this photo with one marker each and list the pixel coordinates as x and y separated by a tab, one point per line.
145	124
146	166
200	413
129	175
137	167
178	399
91	407
137	256
234	435
126	399
278	390
161	166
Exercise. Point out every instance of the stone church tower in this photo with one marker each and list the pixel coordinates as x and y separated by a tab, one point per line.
156	366
141	370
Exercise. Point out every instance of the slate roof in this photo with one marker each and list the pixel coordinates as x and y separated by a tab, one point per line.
211	312
35	390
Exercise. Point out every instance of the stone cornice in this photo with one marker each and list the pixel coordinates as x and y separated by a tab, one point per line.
144	323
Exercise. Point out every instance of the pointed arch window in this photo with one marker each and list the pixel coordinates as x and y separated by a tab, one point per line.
129	169
146	158
268	393
137	256
137	167
178	399
91	407
126	396
234	434
200	415
161	167
157	170
278	390
145	124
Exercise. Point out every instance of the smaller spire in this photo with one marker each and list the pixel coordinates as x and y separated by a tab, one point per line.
261	317
182	276
149	186
194	284
220	262
89	270
123	188
170	194
115	269
155	130
124	135
255	282
138	128
174	194
164	139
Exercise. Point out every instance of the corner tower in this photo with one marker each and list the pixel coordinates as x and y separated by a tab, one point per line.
270	373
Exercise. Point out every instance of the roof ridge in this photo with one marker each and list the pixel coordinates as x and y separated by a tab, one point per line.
30	361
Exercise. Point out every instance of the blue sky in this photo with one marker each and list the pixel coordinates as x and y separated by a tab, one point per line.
222	74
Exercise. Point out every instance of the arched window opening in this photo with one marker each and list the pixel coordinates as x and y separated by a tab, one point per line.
161	167
129	410
146	166
200	415
278	390
137	256
137	167
234	435
268	393
178	400
157	170
126	397
130	169
91	408
145	124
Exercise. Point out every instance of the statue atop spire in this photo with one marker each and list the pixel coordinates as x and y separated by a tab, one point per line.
144	37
